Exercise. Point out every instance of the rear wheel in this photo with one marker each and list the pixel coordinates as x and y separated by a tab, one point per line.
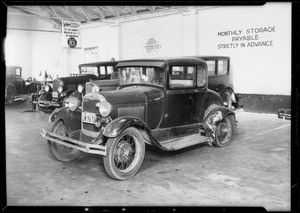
223	132
226	97
125	154
11	92
46	97
58	151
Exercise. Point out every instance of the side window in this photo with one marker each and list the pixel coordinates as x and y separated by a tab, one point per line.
211	67
222	67
102	71
18	72
182	76
201	77
110	69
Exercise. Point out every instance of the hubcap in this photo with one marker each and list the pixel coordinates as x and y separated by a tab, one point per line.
125	155
222	133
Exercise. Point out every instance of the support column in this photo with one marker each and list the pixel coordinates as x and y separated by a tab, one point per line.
189	31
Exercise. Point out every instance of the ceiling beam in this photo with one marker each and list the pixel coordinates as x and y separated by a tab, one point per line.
87	17
100	13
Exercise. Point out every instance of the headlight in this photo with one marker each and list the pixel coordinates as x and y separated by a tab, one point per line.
47	88
73	103
60	89
105	108
80	88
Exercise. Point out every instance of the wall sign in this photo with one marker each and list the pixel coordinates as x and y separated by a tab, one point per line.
152	46
71	34
246	38
91	54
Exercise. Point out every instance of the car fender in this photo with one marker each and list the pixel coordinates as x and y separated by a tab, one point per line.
221	88
72	120
117	126
215	116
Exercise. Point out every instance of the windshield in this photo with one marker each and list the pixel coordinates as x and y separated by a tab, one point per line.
89	70
142	75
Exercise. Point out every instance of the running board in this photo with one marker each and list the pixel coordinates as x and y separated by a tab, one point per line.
184	142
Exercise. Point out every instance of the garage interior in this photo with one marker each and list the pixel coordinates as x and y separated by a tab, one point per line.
253	171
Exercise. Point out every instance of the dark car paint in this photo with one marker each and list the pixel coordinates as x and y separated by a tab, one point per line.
72	120
17	82
162	114
70	84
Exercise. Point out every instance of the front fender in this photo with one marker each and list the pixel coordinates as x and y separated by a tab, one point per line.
72	120
117	126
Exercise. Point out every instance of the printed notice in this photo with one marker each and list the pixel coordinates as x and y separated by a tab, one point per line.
246	38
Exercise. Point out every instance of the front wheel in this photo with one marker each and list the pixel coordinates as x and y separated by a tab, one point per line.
125	154
223	132
11	91
58	151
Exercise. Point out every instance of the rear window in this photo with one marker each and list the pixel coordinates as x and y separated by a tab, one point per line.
211	67
182	76
222	67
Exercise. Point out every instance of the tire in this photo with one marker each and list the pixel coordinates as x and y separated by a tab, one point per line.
45	97
226	97
11	93
58	151
125	154
223	132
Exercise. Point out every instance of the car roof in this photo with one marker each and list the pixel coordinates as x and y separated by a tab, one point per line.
205	57
160	62
93	64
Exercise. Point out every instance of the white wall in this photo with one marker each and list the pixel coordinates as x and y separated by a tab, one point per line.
257	70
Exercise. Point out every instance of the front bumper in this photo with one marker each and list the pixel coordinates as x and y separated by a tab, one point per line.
48	104
73	143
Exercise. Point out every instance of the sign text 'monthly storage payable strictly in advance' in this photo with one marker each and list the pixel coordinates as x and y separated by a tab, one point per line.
250	37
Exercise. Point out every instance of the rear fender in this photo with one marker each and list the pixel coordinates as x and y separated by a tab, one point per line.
215	116
72	120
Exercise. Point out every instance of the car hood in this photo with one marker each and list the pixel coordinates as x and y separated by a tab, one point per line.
77	79
134	95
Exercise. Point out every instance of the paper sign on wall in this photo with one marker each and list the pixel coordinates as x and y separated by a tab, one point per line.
71	34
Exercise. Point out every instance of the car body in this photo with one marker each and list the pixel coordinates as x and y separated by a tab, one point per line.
162	102
54	95
16	87
220	79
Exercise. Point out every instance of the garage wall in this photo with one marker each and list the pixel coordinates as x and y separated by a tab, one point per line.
256	69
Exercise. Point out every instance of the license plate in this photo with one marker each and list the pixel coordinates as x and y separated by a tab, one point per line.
87	117
54	94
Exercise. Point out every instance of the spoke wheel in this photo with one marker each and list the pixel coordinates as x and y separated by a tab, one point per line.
125	154
58	151
223	132
10	95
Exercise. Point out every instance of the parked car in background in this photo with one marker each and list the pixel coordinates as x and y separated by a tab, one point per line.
220	79
162	102
54	96
16	88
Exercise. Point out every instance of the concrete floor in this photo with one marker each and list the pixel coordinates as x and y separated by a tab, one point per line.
254	170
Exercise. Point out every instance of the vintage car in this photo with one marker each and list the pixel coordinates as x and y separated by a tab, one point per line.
54	96
161	102
16	88
220	79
